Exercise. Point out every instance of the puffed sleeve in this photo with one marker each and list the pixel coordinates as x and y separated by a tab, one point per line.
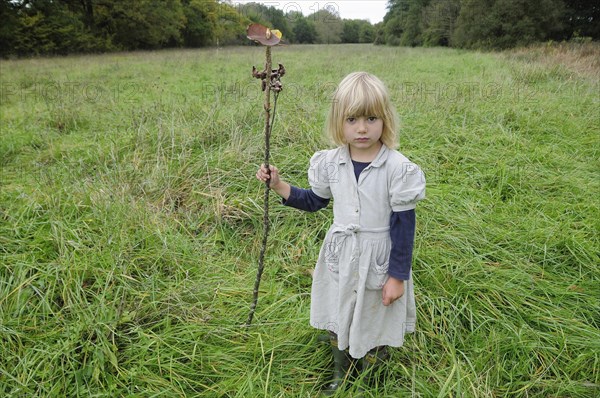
319	174
407	187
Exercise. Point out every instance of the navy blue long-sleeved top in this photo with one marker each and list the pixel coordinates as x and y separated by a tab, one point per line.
402	225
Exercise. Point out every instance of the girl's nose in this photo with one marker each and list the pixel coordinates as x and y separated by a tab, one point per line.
362	125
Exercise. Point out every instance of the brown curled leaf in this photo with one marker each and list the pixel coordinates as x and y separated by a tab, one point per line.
276	86
262	34
257	74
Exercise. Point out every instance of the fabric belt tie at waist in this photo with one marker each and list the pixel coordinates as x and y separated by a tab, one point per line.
352	230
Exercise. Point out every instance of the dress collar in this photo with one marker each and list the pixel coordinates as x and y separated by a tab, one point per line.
378	161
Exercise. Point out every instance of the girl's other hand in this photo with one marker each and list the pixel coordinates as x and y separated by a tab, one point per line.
263	175
392	290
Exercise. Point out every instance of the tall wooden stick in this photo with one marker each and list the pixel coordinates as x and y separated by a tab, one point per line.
266	225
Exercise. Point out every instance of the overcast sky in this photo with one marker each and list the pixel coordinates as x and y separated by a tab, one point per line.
373	10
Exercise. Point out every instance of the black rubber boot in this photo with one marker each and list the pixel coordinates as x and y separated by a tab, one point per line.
370	364
373	359
341	366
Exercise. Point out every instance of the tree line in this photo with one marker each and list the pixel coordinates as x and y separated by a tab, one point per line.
41	27
488	24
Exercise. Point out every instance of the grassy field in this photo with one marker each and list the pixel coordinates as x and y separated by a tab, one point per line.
130	224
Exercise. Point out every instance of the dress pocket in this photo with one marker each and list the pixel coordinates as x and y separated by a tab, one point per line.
331	253
378	273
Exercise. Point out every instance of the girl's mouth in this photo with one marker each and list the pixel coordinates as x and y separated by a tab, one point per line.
362	139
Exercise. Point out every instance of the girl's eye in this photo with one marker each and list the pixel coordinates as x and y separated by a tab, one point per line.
372	118
351	119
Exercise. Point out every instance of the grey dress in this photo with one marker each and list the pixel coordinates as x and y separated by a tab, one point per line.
353	262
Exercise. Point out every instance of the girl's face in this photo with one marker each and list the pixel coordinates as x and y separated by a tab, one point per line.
362	133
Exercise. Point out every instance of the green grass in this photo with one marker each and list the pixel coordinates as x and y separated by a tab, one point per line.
130	224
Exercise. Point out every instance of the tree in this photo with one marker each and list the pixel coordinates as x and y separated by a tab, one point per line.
581	19
366	33
328	26
403	22
357	31
412	23
351	31
503	24
10	25
304	31
439	21
473	23
379	33
48	27
200	22
231	26
492	24
144	24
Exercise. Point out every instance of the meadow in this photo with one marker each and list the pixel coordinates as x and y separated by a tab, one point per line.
130	224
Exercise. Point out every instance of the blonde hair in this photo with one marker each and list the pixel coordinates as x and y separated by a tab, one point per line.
361	94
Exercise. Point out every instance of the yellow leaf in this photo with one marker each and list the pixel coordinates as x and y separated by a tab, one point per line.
276	33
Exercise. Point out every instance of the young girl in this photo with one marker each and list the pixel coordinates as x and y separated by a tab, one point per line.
362	290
